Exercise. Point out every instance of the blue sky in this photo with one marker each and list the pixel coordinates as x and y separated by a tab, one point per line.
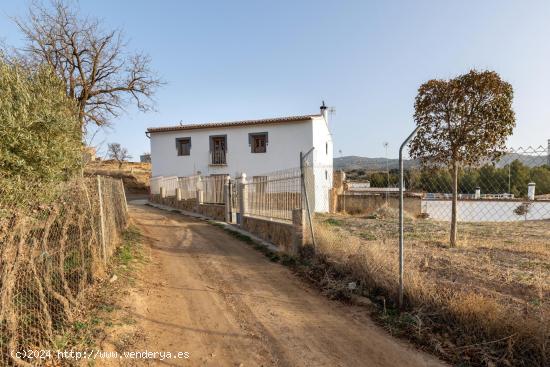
231	60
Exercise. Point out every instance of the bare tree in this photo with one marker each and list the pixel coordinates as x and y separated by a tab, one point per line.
98	72
118	153
463	121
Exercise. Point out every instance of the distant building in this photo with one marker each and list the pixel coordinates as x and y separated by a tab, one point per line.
145	158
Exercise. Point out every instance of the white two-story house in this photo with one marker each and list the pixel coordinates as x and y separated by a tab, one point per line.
253	147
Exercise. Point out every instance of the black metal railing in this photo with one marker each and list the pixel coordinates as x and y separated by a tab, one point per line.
218	157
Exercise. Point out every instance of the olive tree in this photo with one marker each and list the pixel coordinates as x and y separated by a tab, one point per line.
463	121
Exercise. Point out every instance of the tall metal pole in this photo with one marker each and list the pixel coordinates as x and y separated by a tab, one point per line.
302	174
401	221
387	173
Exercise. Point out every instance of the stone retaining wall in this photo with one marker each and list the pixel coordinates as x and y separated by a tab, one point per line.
214	211
283	235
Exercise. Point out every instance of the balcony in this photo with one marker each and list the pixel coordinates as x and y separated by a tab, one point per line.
218	158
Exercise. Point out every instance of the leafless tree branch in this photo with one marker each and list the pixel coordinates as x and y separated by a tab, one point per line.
92	62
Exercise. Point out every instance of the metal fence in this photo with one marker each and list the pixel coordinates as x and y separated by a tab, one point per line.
54	244
188	187
274	195
494	282
213	188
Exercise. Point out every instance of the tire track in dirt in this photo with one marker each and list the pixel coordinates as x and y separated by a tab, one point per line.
208	293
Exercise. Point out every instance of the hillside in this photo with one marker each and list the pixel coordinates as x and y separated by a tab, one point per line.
374	164
134	175
379	164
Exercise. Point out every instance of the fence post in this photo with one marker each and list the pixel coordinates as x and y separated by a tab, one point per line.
200	197
302	178
162	192
298	234
401	218
123	194
178	194
243	198
227	199
101	219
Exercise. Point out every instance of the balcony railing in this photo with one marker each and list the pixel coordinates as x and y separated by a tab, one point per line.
218	157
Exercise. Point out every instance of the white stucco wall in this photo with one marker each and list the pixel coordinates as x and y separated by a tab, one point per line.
322	162
485	210
285	141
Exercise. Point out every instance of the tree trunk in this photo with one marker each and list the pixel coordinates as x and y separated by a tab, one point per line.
454	205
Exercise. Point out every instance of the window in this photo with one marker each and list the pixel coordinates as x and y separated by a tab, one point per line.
183	145
257	142
218	149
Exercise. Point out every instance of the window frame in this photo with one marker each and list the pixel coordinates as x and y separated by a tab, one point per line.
252	142
179	143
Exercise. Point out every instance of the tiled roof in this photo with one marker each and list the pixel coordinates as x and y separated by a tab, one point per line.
210	125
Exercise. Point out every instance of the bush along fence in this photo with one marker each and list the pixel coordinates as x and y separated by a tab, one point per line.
482	302
52	251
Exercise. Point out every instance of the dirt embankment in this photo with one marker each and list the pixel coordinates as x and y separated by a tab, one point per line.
206	293
134	175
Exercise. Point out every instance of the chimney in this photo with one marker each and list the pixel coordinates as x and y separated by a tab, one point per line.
324	112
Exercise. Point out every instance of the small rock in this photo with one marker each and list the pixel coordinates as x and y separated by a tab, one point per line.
352	285
362	301
113	278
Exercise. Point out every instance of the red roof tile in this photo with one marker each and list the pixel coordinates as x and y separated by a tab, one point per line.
210	125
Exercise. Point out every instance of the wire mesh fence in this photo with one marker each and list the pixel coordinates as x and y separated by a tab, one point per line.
274	195
495	283
53	247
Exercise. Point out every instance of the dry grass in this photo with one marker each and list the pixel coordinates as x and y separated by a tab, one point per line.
483	303
135	175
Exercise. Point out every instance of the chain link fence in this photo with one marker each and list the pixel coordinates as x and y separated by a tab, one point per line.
53	246
487	298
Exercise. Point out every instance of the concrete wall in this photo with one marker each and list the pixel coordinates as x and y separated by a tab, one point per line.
278	233
214	211
285	141
485	210
188	205
366	204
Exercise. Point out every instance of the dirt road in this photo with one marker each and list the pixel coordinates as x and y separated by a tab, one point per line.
211	295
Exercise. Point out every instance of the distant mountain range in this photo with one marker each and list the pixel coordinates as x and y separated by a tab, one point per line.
379	164
371	164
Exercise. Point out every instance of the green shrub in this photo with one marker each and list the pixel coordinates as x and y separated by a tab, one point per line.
41	137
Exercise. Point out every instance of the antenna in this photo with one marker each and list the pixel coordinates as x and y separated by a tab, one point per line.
332	111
